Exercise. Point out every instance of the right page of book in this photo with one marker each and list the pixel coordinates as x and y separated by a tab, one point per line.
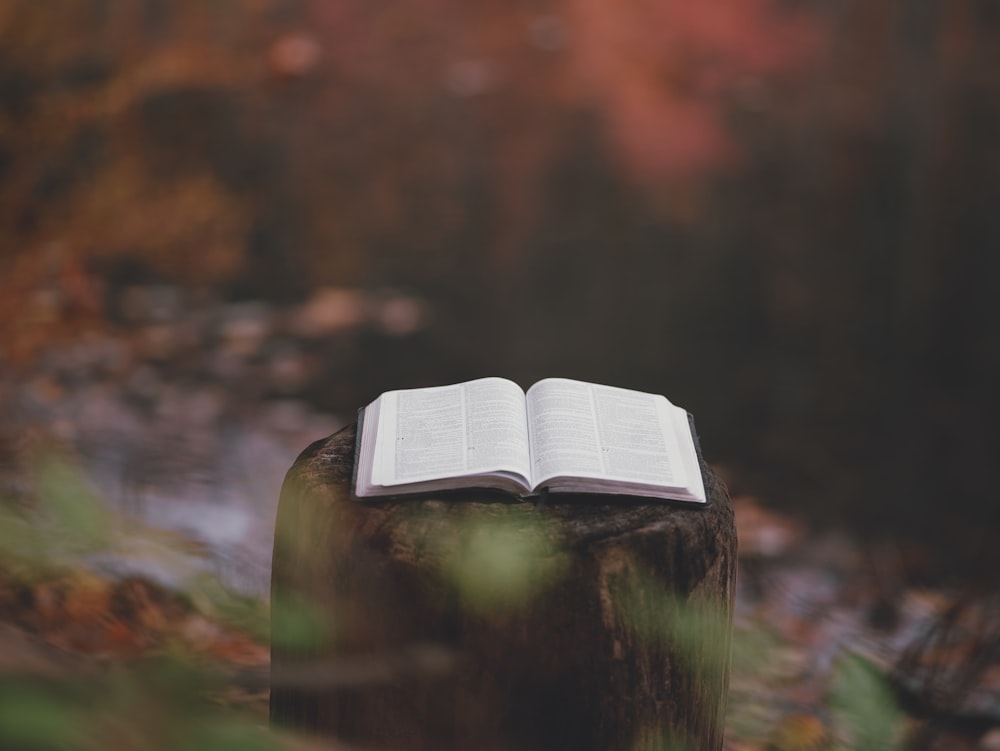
620	438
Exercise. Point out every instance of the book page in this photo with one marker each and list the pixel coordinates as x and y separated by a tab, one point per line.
562	430
589	431
496	437
448	431
636	436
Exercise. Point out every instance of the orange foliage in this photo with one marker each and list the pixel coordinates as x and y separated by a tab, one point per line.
83	612
361	134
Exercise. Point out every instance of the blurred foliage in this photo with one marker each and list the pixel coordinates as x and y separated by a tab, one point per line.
75	520
500	564
865	706
112	661
299	624
779	213
167	683
219	142
32	717
662	745
851	707
753	650
165	704
246	613
698	631
60	522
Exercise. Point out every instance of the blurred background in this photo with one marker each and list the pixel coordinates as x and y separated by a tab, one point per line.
226	225
780	215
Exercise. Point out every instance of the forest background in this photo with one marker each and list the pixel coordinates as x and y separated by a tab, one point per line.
782	215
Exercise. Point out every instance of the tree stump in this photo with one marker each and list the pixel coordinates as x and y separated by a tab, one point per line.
479	622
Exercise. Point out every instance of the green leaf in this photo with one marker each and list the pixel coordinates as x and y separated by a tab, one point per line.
32	718
696	630
230	734
299	624
500	564
864	705
753	649
20	539
80	521
218	602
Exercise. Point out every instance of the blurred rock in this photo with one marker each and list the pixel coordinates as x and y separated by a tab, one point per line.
288	368
329	310
294	55
396	314
245	326
991	740
467	78
761	531
155	303
548	33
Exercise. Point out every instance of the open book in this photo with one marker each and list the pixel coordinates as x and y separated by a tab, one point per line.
559	436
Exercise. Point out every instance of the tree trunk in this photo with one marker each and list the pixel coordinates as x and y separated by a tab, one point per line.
477	622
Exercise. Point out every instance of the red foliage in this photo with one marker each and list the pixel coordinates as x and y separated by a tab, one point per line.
661	71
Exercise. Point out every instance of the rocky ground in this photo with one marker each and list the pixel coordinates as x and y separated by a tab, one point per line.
141	462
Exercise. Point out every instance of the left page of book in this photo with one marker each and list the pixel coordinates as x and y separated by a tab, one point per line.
427	437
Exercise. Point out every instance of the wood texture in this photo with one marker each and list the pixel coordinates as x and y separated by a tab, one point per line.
617	637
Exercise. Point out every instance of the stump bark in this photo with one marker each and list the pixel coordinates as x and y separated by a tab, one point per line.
477	622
